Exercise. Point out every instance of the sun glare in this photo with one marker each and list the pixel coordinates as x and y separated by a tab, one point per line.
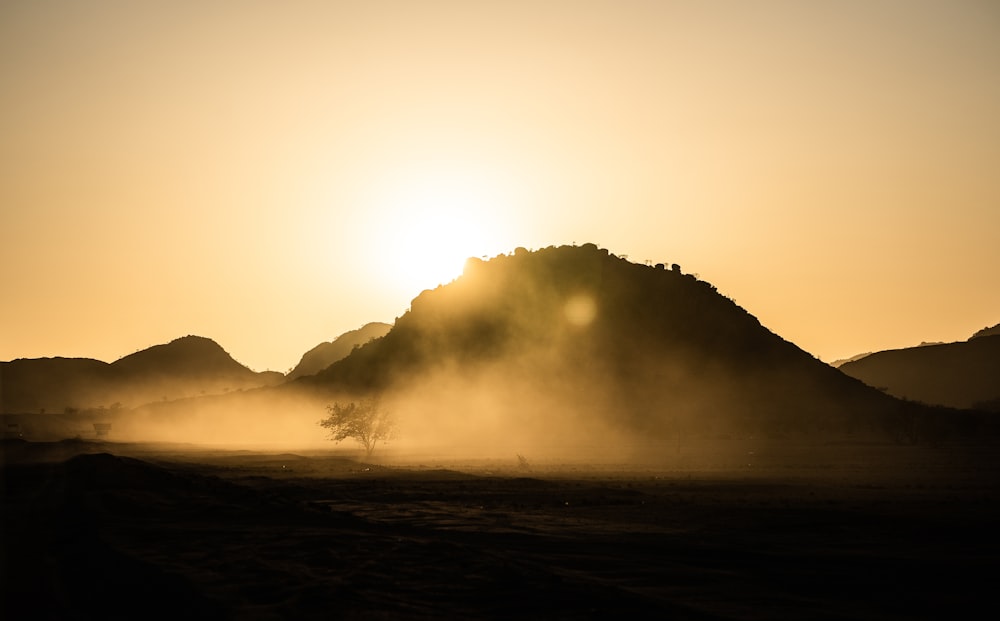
430	222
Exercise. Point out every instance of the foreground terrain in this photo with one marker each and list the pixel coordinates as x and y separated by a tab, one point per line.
105	530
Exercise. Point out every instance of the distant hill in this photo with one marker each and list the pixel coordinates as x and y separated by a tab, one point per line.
962	375
838	363
54	384
192	356
325	354
843	361
573	337
185	367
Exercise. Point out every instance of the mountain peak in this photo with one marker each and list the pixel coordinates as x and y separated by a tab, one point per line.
187	355
195	340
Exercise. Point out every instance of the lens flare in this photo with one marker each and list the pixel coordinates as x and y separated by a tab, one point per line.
580	310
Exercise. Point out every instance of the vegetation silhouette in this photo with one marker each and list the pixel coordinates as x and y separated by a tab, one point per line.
365	421
987	331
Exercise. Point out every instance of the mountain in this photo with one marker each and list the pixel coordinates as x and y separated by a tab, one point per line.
185	367
961	375
570	338
325	354
189	356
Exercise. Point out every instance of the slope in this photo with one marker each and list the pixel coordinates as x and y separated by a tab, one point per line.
325	354
962	375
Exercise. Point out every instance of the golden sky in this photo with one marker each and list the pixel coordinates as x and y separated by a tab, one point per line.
272	174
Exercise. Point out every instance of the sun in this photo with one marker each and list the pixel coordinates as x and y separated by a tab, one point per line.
429	221
429	244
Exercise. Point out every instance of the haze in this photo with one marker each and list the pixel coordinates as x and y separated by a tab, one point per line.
270	176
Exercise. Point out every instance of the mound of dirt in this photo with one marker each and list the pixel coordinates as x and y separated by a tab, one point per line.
107	471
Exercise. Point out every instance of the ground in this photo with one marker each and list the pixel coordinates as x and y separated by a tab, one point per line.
106	530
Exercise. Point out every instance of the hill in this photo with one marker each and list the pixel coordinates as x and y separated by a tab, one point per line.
185	367
325	354
54	384
573	343
961	375
839	363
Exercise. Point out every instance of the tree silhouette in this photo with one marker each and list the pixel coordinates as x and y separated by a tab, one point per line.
365	421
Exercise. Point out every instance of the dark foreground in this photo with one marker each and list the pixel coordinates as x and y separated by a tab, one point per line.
90	533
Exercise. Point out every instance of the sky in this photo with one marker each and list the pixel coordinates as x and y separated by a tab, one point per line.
273	174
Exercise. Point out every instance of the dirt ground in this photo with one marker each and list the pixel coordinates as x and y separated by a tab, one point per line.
111	531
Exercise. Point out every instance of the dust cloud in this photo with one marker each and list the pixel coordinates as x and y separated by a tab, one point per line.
492	413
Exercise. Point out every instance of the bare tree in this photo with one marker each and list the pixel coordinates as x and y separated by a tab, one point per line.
365	421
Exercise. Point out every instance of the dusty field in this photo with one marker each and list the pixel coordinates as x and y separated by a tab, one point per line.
866	532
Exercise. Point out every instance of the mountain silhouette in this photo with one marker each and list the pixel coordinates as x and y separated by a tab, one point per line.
843	361
961	375
188	366
325	354
53	384
193	356
578	330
